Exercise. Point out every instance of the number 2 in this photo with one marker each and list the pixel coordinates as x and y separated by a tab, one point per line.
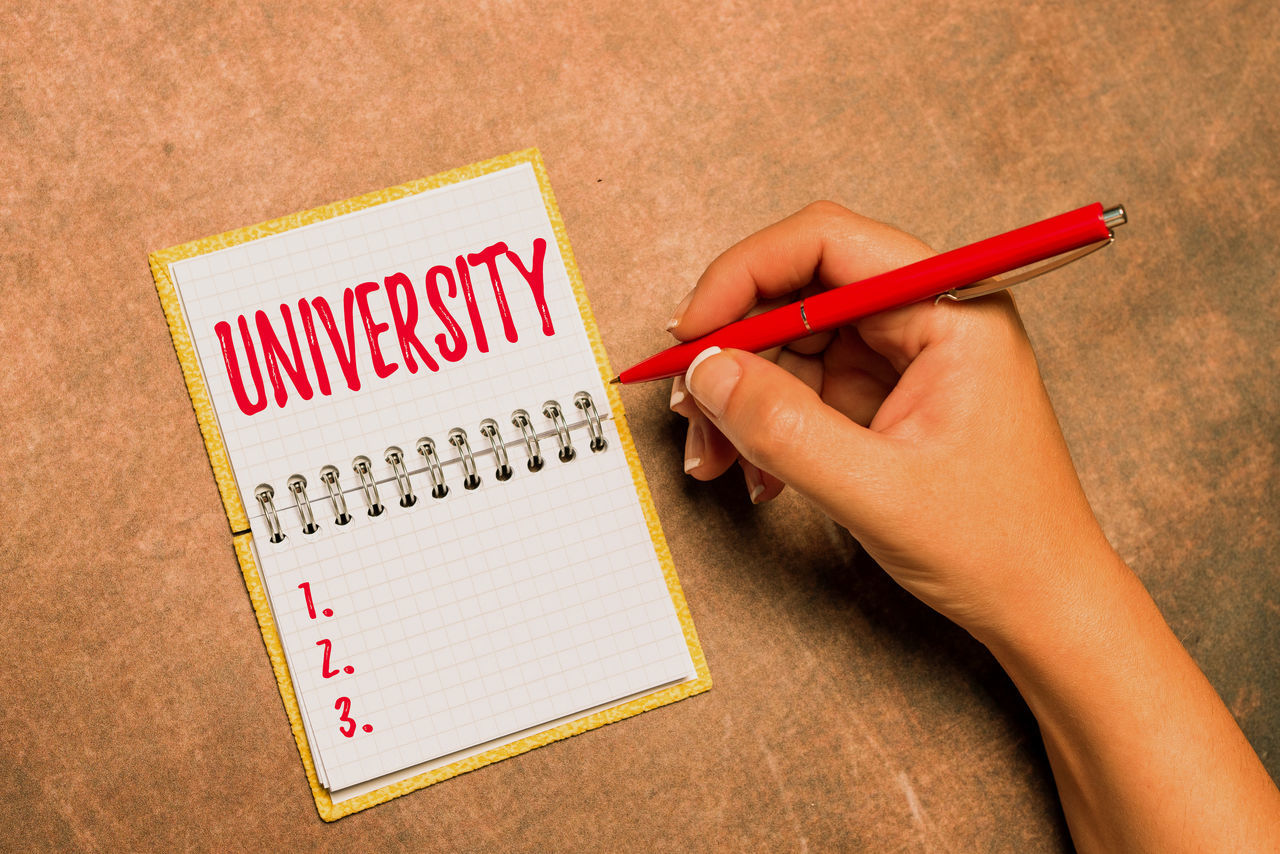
324	666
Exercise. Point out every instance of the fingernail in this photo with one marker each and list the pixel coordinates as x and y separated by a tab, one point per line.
694	445
755	483
677	392
680	309
713	382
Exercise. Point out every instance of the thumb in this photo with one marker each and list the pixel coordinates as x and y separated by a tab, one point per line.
782	426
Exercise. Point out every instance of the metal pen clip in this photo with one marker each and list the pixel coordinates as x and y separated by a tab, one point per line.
1111	217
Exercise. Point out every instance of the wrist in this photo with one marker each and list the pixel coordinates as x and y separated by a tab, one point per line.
1144	753
1083	620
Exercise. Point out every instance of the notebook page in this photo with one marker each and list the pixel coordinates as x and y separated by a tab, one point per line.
351	792
479	616
458	620
409	236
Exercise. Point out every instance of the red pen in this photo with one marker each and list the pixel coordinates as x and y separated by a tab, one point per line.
958	274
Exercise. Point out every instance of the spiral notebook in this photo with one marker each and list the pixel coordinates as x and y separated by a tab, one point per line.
436	504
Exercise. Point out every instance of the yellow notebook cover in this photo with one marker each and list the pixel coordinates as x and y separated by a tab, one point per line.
283	371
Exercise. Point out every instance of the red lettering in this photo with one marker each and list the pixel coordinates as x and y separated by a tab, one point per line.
305	587
534	277
406	318
343	707
309	329
275	357
477	325
488	258
459	348
324	666
346	354
311	606
224	339
372	330
223	330
286	361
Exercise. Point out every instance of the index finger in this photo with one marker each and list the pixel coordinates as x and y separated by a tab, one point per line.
822	242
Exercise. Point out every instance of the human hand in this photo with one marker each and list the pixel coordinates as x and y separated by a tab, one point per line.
926	430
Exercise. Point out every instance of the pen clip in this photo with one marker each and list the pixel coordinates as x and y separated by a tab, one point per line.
994	285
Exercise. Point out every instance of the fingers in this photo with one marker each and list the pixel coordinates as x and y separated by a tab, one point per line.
779	424
819	247
761	486
708	454
902	334
856	379
807	368
822	242
681	403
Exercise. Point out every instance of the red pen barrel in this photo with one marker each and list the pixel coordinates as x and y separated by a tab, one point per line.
927	278
957	268
761	332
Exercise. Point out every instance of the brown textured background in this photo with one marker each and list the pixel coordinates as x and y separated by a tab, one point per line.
137	706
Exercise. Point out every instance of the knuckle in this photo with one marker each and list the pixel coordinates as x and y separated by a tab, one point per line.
826	209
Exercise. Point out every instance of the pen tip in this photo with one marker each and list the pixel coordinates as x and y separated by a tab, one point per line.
615	381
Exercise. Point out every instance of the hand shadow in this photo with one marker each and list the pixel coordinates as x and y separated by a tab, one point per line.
801	587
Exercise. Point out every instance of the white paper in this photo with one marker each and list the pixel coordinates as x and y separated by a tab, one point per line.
463	619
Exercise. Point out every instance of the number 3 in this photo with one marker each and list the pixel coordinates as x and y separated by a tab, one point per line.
344	708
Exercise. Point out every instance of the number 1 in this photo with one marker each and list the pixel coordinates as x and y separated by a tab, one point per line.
306	591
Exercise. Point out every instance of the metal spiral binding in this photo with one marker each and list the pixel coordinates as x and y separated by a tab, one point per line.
551	409
583	401
434	467
395	458
329	477
489	429
264	493
363	467
298	486
426	447
520	418
458	438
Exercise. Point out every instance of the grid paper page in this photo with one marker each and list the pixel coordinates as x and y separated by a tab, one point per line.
457	620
